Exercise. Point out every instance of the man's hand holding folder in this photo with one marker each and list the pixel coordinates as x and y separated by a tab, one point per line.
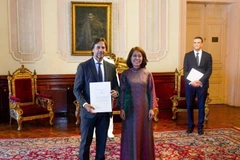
194	76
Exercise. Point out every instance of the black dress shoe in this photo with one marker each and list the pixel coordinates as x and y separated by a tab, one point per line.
189	130
200	132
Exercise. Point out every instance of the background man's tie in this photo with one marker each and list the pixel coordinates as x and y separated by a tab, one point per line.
100	77
197	58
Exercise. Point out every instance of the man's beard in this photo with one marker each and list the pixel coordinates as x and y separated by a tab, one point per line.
100	56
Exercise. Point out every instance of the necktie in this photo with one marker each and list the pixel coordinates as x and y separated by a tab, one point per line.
197	58
100	78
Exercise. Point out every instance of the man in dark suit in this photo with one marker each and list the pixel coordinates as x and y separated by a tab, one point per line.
87	72
202	62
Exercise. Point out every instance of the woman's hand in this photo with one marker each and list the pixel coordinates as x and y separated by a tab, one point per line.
122	114
151	114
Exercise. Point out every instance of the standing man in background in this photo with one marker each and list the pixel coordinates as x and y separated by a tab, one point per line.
202	62
87	72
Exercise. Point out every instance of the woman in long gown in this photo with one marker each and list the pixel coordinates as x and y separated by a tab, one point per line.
136	100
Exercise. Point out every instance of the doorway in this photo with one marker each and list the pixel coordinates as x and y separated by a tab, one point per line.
209	20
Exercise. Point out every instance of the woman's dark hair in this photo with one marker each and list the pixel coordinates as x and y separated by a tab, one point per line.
144	61
98	40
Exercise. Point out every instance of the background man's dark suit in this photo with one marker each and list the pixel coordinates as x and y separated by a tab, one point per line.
204	67
87	73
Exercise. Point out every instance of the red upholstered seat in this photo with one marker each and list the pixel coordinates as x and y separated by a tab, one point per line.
24	101
32	110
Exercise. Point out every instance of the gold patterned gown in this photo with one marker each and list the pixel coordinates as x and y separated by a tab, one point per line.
137	97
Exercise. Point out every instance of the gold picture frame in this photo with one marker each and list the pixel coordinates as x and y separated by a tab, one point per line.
89	21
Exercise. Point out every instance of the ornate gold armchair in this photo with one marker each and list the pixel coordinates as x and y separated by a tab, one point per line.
178	98
78	109
24	101
116	111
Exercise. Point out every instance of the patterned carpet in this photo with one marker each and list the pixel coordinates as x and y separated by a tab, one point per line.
214	144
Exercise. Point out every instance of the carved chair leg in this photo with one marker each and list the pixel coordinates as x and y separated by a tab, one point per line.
51	118
19	121
77	115
77	118
156	114
174	112
206	113
77	111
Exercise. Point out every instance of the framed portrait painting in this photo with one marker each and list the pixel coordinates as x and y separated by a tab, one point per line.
90	21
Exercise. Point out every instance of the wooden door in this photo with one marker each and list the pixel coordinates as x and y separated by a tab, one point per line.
210	22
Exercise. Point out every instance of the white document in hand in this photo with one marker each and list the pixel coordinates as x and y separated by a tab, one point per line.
100	96
194	75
